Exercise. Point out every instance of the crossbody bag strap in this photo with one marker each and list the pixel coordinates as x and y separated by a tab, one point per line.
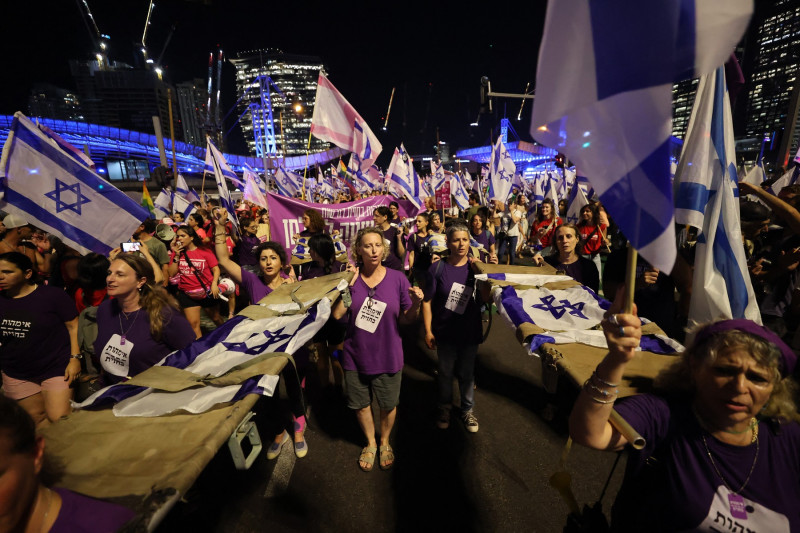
196	272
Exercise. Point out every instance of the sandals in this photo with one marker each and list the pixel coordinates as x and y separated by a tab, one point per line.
367	456
387	454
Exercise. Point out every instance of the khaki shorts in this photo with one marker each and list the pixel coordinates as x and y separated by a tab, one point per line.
360	388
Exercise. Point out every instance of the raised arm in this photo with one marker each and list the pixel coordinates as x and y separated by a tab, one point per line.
788	214
588	423
221	249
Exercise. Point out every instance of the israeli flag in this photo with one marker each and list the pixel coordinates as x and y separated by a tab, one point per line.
182	205
57	193
721	284
360	181
326	188
236	342
570	315
163	204
538	187
458	192
501	172
438	177
577	199
756	175
401	172
611	111
216	162
790	177
181	187
254	188
289	183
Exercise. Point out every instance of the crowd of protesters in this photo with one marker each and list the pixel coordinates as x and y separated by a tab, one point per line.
149	300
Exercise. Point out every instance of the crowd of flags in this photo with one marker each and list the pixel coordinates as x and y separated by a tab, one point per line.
610	114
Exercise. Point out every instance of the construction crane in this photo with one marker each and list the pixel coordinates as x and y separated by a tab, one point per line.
99	40
147	60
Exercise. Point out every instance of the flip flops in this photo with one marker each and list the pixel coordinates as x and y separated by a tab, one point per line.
367	456
387	454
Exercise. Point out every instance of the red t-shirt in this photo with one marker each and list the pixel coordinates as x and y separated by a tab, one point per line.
96	298
203	261
591	236
547	238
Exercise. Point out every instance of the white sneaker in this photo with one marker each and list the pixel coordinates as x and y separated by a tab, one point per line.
470	422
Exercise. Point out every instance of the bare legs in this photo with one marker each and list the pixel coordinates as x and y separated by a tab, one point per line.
367	423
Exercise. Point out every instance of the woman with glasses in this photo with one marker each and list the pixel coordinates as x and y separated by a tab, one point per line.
381	298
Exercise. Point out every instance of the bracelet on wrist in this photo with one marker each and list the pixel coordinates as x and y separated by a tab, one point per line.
602	381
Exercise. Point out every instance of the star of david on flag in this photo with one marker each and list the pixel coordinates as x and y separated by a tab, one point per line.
59	194
501	172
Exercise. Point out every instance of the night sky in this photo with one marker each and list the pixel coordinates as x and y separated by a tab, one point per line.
434	53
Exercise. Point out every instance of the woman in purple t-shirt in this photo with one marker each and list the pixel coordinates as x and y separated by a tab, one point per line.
141	323
39	353
722	448
271	261
453	326
381	297
394	258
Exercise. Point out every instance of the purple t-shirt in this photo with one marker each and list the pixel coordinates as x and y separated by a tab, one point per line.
456	317
379	351
245	250
82	514
312	270
254	287
34	342
681	489
485	238
176	334
392	261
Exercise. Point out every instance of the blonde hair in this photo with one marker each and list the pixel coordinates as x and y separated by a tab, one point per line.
679	377
356	246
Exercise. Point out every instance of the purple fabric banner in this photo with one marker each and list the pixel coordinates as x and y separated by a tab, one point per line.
286	216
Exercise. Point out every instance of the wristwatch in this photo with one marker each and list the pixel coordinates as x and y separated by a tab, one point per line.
76	356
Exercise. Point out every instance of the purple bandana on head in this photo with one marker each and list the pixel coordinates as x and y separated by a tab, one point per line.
788	357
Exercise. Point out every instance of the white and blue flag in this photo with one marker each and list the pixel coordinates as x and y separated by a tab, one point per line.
236	342
163	204
255	190
611	111
288	183
790	177
458	192
438	177
182	188
577	199
182	205
217	164
402	173
501	172
59	194
721	283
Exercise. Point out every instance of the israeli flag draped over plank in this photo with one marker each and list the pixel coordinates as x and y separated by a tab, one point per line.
401	172
501	172
236	342
564	316
336	121
611	111
721	283
216	162
59	194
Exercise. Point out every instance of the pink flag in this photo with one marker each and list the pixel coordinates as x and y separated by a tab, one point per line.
336	121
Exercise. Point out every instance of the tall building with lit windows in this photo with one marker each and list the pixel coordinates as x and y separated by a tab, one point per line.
295	77
773	91
193	107
683	94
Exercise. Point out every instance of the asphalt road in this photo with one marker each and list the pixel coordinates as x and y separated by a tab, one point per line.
443	480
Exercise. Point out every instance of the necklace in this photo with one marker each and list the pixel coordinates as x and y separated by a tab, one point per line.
713	464
124	333
752	426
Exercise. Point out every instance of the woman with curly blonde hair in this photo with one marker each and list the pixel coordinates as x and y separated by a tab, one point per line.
722	434
373	350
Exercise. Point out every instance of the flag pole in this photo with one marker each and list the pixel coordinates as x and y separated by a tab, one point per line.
305	170
203	183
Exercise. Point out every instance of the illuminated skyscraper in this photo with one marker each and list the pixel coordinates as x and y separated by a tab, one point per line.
682	101
192	102
296	78
773	94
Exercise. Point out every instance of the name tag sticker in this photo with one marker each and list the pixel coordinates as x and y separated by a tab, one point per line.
116	356
458	298
370	314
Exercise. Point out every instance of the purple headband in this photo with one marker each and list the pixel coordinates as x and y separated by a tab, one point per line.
788	357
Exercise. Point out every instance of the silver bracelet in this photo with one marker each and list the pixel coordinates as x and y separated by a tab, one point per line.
602	381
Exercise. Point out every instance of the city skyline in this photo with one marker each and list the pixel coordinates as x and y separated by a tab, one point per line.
433	56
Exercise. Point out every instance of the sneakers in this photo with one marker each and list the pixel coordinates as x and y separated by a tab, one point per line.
443	422
470	422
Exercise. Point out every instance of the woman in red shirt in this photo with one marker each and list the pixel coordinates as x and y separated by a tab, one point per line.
547	220
592	233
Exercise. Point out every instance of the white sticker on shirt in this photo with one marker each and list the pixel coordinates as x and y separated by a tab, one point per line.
370	314
116	356
723	516
458	298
